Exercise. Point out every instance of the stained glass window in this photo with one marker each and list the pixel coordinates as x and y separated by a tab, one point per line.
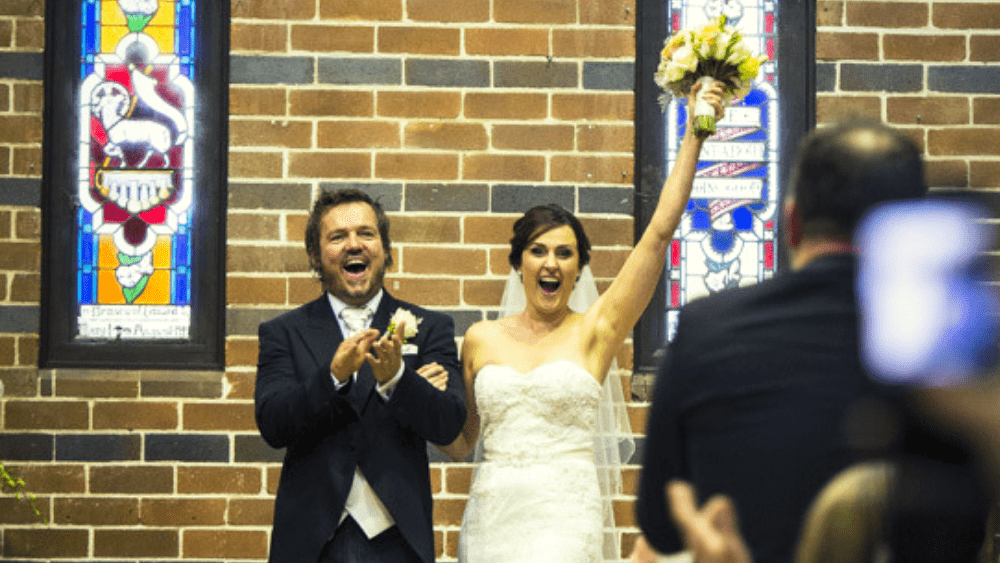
136	102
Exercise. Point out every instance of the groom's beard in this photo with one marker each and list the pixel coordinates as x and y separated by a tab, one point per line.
354	294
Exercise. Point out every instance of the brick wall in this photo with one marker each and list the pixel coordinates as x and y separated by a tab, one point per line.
459	114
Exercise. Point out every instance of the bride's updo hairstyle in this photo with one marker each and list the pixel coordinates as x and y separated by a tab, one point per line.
539	220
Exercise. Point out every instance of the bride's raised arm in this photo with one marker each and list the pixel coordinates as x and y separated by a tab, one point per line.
618	309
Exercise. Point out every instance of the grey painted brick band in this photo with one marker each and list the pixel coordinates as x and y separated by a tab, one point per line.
270	196
20	191
244	322
881	77
19	319
389	195
826	77
535	75
964	79
360	71
518	199
26	66
98	447
448	73
187	447
251	448
26	447
270	70
463	319
606	200
447	197
609	76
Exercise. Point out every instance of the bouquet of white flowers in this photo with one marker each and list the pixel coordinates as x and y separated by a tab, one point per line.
714	52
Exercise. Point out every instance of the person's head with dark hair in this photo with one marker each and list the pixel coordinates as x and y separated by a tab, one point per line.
347	240
539	220
845	169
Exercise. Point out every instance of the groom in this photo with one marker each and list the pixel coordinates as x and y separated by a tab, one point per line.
351	403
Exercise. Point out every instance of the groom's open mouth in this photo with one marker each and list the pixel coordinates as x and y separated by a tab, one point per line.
356	267
549	285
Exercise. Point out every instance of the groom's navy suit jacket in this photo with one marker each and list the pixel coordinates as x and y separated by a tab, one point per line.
327	433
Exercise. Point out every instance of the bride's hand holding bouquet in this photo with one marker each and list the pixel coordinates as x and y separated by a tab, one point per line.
715	52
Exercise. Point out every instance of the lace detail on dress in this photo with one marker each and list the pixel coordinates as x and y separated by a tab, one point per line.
535	496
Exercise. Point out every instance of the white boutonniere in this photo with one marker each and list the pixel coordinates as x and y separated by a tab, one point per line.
403	316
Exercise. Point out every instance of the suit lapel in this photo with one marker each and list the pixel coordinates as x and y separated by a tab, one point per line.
321	333
365	387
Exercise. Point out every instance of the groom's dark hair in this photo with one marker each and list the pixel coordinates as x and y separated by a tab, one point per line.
327	200
539	220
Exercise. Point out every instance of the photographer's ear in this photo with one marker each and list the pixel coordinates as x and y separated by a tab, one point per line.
793	224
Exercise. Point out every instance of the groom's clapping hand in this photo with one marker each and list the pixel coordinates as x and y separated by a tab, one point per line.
386	354
351	354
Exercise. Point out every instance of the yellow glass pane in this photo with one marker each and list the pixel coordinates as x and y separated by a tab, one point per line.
107	253
110	36
165	14
157	290
108	290
161	253
111	13
164	37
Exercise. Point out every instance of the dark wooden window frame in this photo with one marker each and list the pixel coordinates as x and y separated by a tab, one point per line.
795	52
205	347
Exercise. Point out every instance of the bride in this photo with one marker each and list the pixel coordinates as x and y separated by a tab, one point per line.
534	383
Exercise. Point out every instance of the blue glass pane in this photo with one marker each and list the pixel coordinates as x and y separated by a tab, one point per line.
182	250
86	249
743	219
700	220
181	296
91	13
85	288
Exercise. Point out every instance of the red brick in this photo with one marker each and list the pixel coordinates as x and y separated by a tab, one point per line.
451	544
442	105
592	169
963	142
45	542
607	12
503	167
601	43
984	48
508	41
253	226
225	544
329	103
96	511
231	480
303	290
838	46
285	10
984	174
966	15
364	10
986	111
928	111
273	476
257	101
20	256
924	47
416	166
630	480
448	511
4	151
420	40
888	14
22	511
51	478
6	35
27	225
295	227
240	385
285	258
533	137
499	264
250	512
27	350
607	263
448	10
482	293
597	107
131	479
270	133
241	352
254	164
46	415
30	35
27	161
947	173
429	292
28	98
182	511
832	107
8	351
136	543
438	545
357	134
624	513
417	228
6	222
20	129
483	105
458	479
254	291
330	165
829	13
332	39
638	415
437	476
228	416
135	415
96	388
260	38
605	138
455	261
445	135
608	231
534	11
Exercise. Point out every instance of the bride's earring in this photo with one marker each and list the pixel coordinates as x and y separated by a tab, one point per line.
520	277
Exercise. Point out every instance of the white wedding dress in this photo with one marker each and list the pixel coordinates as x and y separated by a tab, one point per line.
535	496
